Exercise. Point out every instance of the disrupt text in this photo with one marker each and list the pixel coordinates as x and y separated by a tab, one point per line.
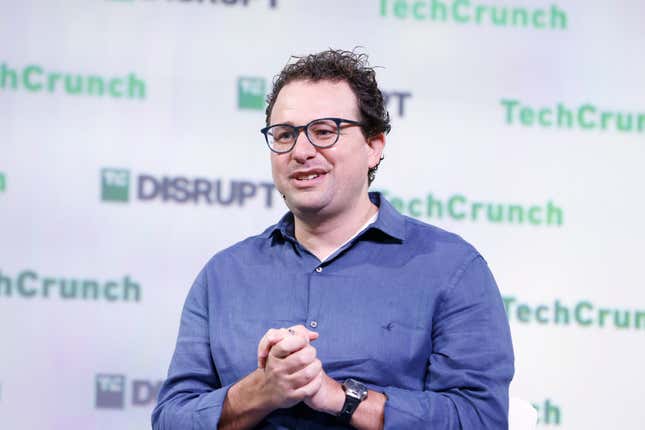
201	190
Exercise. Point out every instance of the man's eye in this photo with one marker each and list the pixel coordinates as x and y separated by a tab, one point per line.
284	136
323	132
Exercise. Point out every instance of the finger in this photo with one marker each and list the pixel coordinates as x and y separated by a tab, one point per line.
306	375
288	346
273	336
261	347
270	338
303	331
311	388
299	359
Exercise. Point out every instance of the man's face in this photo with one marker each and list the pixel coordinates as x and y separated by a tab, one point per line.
329	181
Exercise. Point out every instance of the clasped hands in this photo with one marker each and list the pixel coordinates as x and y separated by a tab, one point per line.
293	373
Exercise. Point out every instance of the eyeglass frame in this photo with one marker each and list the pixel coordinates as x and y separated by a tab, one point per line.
298	128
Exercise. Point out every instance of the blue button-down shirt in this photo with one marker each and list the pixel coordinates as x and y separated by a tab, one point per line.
407	308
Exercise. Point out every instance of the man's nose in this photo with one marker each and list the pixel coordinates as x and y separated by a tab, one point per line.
303	149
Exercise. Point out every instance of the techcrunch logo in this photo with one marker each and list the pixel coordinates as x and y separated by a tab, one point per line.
549	413
252	92
271	3
110	391
28	284
115	187
37	79
582	313
586	117
458	207
465	12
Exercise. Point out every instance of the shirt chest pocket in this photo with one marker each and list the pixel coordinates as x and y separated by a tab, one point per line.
383	338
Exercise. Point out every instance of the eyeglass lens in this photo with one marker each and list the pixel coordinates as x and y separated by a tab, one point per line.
321	133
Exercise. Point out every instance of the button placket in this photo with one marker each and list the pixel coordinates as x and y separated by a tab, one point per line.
312	322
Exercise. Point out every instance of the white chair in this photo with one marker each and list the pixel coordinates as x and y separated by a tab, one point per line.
521	415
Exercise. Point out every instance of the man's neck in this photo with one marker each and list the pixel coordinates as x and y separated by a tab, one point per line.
323	235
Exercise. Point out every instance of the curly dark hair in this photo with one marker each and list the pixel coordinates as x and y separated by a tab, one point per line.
338	65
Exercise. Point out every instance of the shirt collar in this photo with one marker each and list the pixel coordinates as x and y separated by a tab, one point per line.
389	221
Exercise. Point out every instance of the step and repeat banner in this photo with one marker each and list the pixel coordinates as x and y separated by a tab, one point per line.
130	153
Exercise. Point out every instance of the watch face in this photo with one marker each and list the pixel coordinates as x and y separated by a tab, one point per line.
355	389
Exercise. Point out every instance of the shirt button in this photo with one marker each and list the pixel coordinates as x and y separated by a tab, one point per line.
313	324
318	269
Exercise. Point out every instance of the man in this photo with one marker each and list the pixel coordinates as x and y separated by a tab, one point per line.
345	313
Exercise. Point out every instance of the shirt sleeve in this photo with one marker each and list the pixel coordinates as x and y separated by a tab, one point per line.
471	365
192	396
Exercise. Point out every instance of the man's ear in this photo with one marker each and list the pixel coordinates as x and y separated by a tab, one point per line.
376	144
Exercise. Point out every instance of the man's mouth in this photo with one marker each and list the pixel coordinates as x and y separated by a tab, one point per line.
306	177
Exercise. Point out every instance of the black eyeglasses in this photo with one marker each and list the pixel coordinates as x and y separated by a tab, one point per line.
322	133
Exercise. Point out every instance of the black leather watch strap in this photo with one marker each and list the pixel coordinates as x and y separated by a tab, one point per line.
355	393
351	403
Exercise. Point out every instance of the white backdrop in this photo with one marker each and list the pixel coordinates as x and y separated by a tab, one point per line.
98	97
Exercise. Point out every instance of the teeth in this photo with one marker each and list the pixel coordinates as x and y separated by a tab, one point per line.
307	178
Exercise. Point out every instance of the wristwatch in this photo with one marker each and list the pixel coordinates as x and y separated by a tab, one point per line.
355	393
